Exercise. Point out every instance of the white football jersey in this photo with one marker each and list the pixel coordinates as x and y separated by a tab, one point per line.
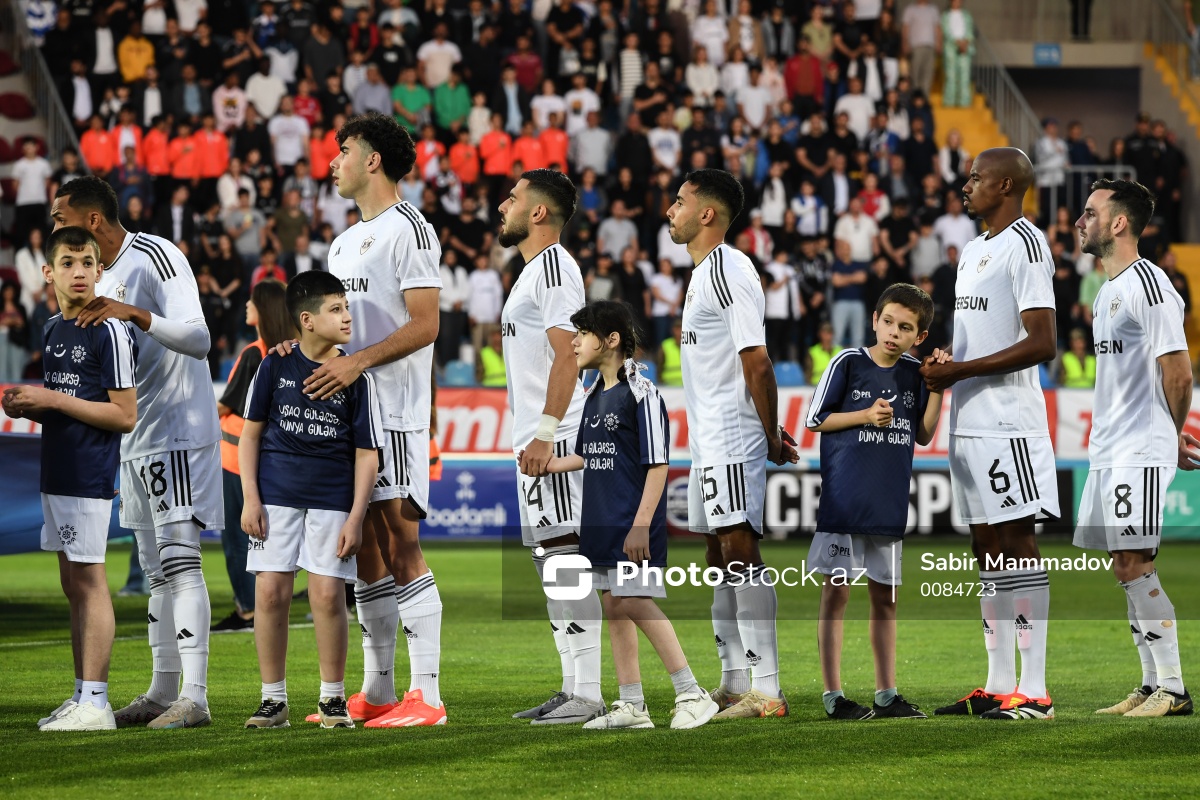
998	278
1137	317
377	260
176	408
546	294
722	316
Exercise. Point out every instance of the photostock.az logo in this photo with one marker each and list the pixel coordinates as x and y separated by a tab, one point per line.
576	589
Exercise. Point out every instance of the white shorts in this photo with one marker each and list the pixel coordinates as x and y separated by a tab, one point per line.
301	538
404	469
550	506
1122	508
998	480
726	495
855	554
643	584
176	486
77	526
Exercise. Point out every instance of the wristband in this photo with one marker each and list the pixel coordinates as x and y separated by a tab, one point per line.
547	428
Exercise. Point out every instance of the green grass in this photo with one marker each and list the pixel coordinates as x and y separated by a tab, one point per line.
494	663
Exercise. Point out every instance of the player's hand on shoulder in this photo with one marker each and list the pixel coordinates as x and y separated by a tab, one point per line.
637	544
332	376
103	308
350	540
880	413
1189	458
285	348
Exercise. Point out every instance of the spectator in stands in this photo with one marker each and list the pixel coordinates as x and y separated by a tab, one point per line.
812	215
1050	165
452	305
817	357
1089	287
289	136
848	279
176	220
666	291
286	225
77	96
783	308
701	78
264	91
29	261
528	149
411	102
1066	284
322	54
920	153
134	54
97	148
1077	369
670	369
451	102
898	237
14	333
616	233
837	188
268	269
436	57
953	159
958	48
954	228
130	180
485	302
229	103
874	200
32	173
1169	265
634	288
489	362
247	226
600	283
922	38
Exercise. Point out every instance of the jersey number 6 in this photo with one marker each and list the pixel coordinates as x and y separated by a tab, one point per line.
1000	481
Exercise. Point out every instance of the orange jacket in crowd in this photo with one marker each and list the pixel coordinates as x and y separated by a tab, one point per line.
427	150
184	163
118	156
98	149
156	149
320	152
496	150
554	146
464	161
212	153
528	150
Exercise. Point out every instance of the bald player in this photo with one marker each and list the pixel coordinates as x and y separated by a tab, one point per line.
1001	459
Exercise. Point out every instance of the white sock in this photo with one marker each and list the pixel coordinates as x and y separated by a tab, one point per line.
632	693
421	612
164	647
94	692
333	689
999	634
558	627
1031	603
1149	673
584	620
1156	618
684	681
378	616
275	691
735	676
192	611
78	689
757	606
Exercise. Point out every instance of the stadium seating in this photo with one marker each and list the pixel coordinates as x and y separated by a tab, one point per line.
459	374
788	374
16	106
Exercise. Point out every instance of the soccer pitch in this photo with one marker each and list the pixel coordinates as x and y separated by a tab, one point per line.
493	665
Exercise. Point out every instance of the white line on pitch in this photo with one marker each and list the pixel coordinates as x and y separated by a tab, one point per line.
49	642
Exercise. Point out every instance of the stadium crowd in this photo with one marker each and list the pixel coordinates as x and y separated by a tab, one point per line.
215	121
